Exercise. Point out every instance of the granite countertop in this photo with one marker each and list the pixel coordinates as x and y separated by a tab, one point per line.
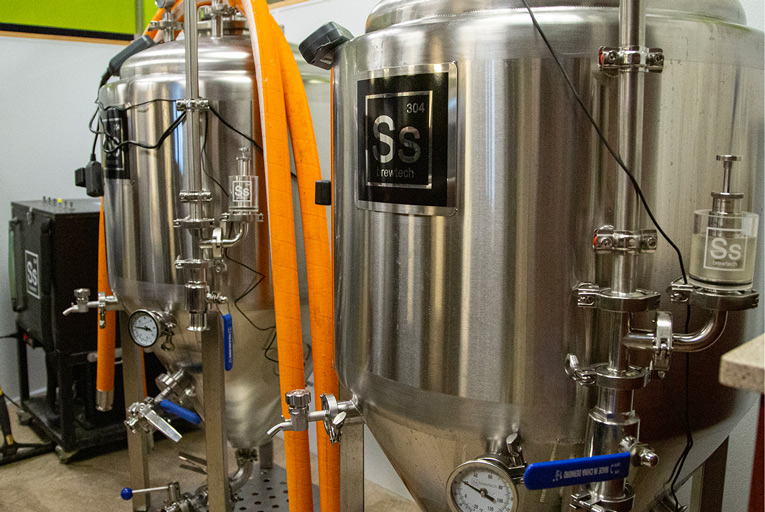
744	367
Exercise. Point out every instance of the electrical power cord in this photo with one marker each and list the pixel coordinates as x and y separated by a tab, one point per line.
234	129
689	433
144	145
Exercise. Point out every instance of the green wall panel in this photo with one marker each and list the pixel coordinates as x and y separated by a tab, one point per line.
116	16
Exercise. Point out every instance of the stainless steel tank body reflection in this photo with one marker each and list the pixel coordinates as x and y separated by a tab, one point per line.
455	313
142	201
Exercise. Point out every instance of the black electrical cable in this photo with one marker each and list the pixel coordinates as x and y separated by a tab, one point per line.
232	128
11	400
95	138
688	436
259	277
606	143
100	106
170	129
678	467
202	160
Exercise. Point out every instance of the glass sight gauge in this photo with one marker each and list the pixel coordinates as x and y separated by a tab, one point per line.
482	485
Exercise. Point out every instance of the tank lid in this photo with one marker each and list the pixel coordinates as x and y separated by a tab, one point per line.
393	12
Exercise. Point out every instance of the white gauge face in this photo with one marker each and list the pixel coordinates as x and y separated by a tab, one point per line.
481	486
144	328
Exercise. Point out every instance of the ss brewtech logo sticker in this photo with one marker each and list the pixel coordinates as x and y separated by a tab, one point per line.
406	159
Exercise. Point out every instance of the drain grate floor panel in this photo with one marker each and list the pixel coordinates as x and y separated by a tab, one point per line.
266	491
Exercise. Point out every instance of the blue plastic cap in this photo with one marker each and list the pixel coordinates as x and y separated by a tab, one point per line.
127	493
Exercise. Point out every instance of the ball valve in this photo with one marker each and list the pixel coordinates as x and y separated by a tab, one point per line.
333	414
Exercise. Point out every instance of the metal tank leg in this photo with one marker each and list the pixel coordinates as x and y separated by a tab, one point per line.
266	455
709	482
351	464
214	406
138	444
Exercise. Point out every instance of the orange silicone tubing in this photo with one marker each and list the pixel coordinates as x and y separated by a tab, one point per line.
282	232
178	16
318	262
106	336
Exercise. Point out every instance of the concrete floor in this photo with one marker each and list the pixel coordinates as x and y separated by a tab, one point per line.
43	484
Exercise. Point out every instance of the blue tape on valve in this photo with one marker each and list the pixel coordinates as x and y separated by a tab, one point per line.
228	342
562	473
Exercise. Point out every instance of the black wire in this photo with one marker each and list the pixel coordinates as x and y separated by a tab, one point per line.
688	434
232	128
95	138
165	135
606	143
678	468
259	277
100	106
14	335
202	160
11	400
268	348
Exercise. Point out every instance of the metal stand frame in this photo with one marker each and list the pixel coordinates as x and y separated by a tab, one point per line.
351	464
709	482
139	442
213	374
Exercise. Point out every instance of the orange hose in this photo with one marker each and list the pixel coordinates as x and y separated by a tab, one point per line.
177	15
157	17
318	265
282	233
106	336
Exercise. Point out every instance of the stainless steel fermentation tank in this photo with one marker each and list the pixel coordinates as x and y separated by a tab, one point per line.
142	200
454	302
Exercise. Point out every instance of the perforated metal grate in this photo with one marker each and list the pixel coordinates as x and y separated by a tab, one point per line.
266	491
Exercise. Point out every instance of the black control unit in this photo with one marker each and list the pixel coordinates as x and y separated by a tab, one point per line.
53	249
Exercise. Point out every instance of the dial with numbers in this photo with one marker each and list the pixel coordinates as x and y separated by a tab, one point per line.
145	328
481	485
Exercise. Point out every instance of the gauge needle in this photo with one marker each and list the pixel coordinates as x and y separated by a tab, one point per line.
482	492
144	328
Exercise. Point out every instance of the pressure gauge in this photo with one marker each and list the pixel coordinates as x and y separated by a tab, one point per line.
146	327
482	485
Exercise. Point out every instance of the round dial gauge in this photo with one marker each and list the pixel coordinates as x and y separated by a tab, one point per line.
481	485
145	328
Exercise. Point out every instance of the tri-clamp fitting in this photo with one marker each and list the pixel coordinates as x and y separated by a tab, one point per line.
333	414
83	304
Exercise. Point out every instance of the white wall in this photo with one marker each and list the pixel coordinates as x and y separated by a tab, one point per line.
48	89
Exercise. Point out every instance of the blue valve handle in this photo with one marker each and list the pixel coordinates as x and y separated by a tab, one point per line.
562	473
228	342
126	494
179	411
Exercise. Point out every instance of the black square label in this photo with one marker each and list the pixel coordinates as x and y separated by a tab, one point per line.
116	165
403	131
